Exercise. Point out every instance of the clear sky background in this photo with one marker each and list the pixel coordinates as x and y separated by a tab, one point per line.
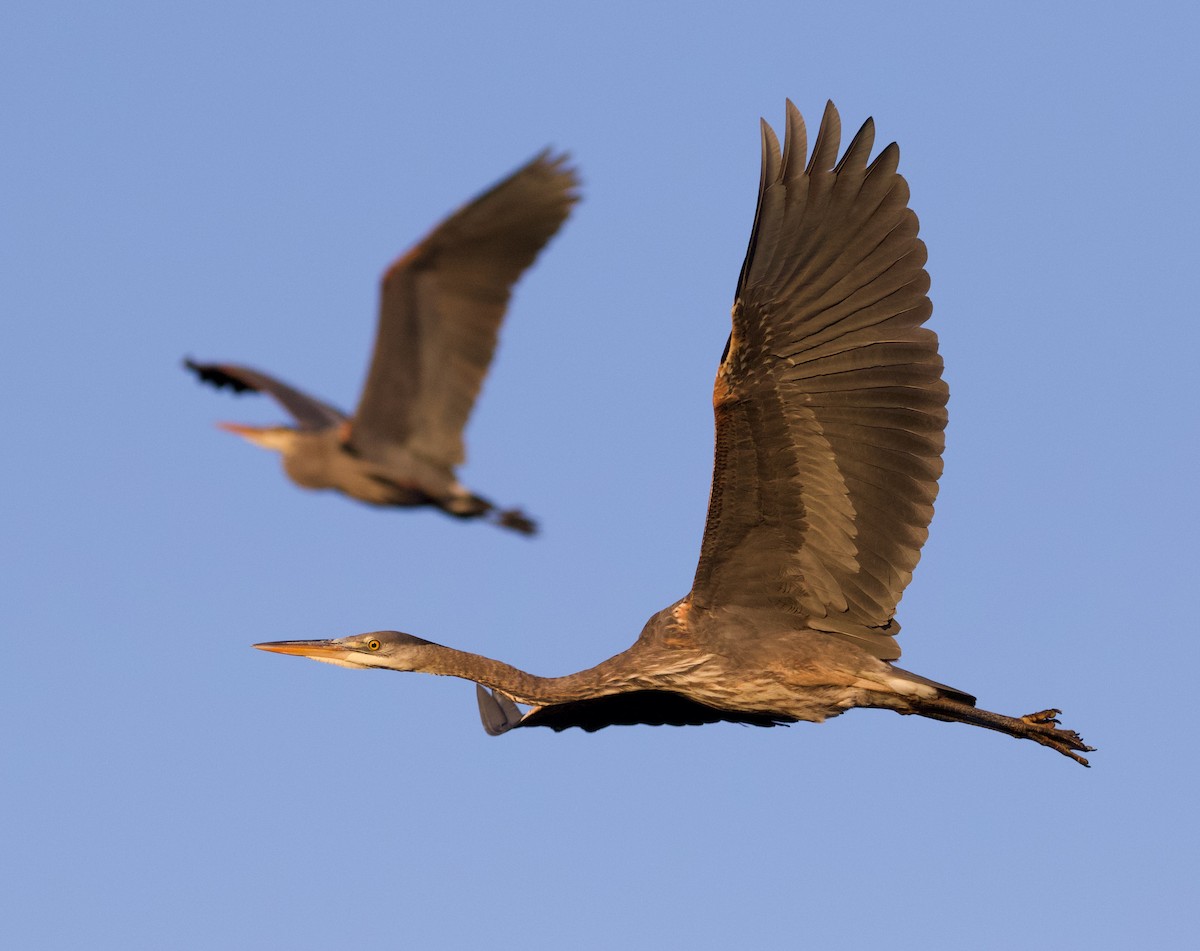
228	181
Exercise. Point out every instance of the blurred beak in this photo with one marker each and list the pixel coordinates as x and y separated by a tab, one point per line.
266	437
254	434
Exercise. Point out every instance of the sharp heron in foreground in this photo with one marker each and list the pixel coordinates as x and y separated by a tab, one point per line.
830	411
440	309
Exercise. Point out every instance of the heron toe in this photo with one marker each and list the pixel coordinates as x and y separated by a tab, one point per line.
1042	717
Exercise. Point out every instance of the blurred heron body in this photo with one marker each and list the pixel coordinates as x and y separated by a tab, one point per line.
441	306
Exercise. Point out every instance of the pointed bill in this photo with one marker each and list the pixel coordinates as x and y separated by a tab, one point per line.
329	651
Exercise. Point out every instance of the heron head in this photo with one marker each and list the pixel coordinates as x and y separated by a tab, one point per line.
389	650
279	438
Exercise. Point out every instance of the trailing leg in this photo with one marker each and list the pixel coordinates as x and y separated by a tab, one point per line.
475	506
1041	727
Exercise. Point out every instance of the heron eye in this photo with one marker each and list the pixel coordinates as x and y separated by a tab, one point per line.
373	644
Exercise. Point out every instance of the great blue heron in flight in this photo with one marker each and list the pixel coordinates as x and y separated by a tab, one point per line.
441	305
830	410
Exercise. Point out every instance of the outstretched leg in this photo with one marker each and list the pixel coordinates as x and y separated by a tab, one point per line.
474	506
515	519
1041	727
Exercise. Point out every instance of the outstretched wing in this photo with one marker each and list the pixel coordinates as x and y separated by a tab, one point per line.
829	402
308	412
441	308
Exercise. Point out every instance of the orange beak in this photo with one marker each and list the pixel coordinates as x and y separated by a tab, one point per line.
239	430
316	649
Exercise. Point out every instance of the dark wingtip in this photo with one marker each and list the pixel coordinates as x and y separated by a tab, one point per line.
216	375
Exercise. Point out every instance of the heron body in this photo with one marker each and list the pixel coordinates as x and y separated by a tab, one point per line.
323	459
441	306
830	410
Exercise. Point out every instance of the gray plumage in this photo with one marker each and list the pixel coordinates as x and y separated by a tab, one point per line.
830	411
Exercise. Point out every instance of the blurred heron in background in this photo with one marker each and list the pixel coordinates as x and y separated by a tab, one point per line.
441	305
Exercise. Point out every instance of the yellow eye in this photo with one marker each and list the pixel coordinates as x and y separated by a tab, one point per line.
373	644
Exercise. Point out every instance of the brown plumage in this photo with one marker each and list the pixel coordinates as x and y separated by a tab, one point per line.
830	410
441	305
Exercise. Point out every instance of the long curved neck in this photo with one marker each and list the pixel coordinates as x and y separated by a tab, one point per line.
522	687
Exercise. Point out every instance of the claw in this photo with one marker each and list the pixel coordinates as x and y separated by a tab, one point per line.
1075	756
1065	741
1043	716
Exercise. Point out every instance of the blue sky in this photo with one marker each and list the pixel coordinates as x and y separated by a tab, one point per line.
228	181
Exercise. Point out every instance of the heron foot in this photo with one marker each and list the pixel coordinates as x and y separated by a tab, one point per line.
1042	727
517	520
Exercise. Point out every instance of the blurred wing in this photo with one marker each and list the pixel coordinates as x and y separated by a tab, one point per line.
308	412
441	308
829	402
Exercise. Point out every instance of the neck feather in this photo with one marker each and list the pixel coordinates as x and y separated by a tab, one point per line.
522	687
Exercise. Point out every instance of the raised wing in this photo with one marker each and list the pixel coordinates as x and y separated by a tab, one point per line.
441	308
829	403
308	412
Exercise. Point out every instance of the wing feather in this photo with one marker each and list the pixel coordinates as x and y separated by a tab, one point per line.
829	402
647	707
309	412
441	306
